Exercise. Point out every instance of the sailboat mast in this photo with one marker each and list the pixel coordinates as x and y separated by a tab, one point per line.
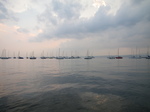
19	54
118	52
59	52
136	51
147	51
87	52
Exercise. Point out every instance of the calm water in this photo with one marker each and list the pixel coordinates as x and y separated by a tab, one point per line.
97	85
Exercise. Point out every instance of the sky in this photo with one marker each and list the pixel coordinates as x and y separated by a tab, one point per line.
74	26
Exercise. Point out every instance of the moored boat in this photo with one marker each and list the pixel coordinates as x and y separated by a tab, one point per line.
119	57
88	57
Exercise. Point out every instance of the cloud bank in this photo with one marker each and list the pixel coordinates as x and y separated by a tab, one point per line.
93	24
62	19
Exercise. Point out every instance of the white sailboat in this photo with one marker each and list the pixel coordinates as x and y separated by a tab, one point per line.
42	56
111	57
137	56
148	56
88	57
59	57
3	56
19	57
132	56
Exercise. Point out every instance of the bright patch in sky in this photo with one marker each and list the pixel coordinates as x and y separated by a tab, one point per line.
98	3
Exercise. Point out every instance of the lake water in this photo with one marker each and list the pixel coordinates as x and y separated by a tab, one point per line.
75	85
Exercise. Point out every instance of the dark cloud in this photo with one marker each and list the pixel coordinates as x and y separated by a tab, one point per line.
65	10
129	14
5	14
58	11
67	23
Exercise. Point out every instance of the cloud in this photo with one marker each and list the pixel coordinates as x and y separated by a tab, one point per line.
17	6
84	25
66	10
98	3
23	30
62	19
5	14
129	13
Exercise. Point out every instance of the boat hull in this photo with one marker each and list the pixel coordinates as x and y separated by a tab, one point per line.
119	57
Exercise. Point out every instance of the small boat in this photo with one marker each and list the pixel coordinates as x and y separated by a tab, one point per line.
138	56
60	57
14	56
77	57
88	57
72	57
119	57
132	57
148	56
4	55
19	57
111	57
33	57
27	56
42	56
5	58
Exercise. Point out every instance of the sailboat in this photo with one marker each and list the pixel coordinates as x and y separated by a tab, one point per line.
138	56
119	57
14	56
4	55
42	56
51	56
88	57
148	56
27	56
132	56
59	57
111	57
32	56
19	57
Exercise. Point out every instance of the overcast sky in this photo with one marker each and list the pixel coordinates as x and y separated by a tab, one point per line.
75	26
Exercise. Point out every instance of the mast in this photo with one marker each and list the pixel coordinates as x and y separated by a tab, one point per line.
19	54
59	53
136	51
87	53
147	51
118	52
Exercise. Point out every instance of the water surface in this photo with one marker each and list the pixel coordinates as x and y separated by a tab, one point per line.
75	85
